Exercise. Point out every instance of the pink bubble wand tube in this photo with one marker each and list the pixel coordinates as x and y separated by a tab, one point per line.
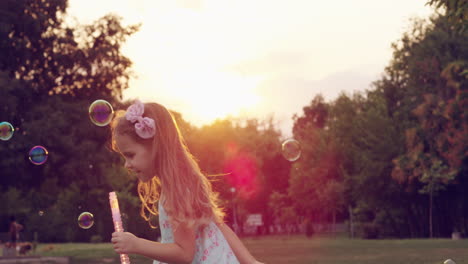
114	204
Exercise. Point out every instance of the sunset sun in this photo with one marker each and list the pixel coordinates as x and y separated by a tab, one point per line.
213	59
214	94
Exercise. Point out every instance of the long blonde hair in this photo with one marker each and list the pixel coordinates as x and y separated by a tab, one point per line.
184	191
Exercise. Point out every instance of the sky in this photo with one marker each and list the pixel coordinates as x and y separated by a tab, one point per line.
210	59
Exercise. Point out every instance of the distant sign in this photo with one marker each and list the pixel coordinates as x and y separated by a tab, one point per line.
254	220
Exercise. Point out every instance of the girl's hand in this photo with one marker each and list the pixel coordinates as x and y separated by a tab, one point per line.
124	242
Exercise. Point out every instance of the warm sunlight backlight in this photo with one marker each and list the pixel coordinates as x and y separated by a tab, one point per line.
210	59
214	94
181	49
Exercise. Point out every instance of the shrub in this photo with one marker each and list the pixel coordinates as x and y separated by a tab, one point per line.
309	228
369	231
96	239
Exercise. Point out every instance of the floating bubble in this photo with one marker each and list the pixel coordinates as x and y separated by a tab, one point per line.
86	220
38	155
449	261
6	131
41	213
101	113
291	149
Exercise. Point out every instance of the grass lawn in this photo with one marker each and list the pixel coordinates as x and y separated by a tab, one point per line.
300	250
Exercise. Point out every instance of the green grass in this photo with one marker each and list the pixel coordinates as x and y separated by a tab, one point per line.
300	250
86	253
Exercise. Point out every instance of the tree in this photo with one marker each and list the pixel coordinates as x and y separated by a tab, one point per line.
316	184
430	83
456	11
283	210
36	45
244	154
50	74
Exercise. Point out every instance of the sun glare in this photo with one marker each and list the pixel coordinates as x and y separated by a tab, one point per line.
214	94
181	48
185	50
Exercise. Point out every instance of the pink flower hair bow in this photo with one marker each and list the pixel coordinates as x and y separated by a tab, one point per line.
144	126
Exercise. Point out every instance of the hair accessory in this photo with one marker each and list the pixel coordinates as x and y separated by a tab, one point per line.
144	126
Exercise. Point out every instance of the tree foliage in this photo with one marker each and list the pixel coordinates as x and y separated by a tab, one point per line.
388	157
55	58
397	144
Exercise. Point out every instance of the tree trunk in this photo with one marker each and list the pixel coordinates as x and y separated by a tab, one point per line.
351	224
334	222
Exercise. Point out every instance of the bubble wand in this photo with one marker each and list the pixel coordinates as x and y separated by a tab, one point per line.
114	204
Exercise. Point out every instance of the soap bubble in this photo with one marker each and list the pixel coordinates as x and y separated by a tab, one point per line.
86	220
6	131
38	155
291	149
101	113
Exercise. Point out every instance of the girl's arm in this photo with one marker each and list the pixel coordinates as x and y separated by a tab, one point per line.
241	252
181	251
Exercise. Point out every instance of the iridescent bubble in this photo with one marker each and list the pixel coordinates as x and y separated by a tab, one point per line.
449	261
6	131
101	112
86	220
38	155
291	149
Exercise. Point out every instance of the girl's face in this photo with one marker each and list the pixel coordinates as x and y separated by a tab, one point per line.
138	157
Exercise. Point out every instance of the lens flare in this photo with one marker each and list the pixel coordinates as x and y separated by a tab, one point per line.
242	171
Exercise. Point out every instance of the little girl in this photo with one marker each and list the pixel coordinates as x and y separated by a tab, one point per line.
171	185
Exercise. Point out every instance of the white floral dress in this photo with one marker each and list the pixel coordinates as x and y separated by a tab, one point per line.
211	246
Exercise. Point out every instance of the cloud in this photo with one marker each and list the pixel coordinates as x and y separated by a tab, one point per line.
289	81
286	95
